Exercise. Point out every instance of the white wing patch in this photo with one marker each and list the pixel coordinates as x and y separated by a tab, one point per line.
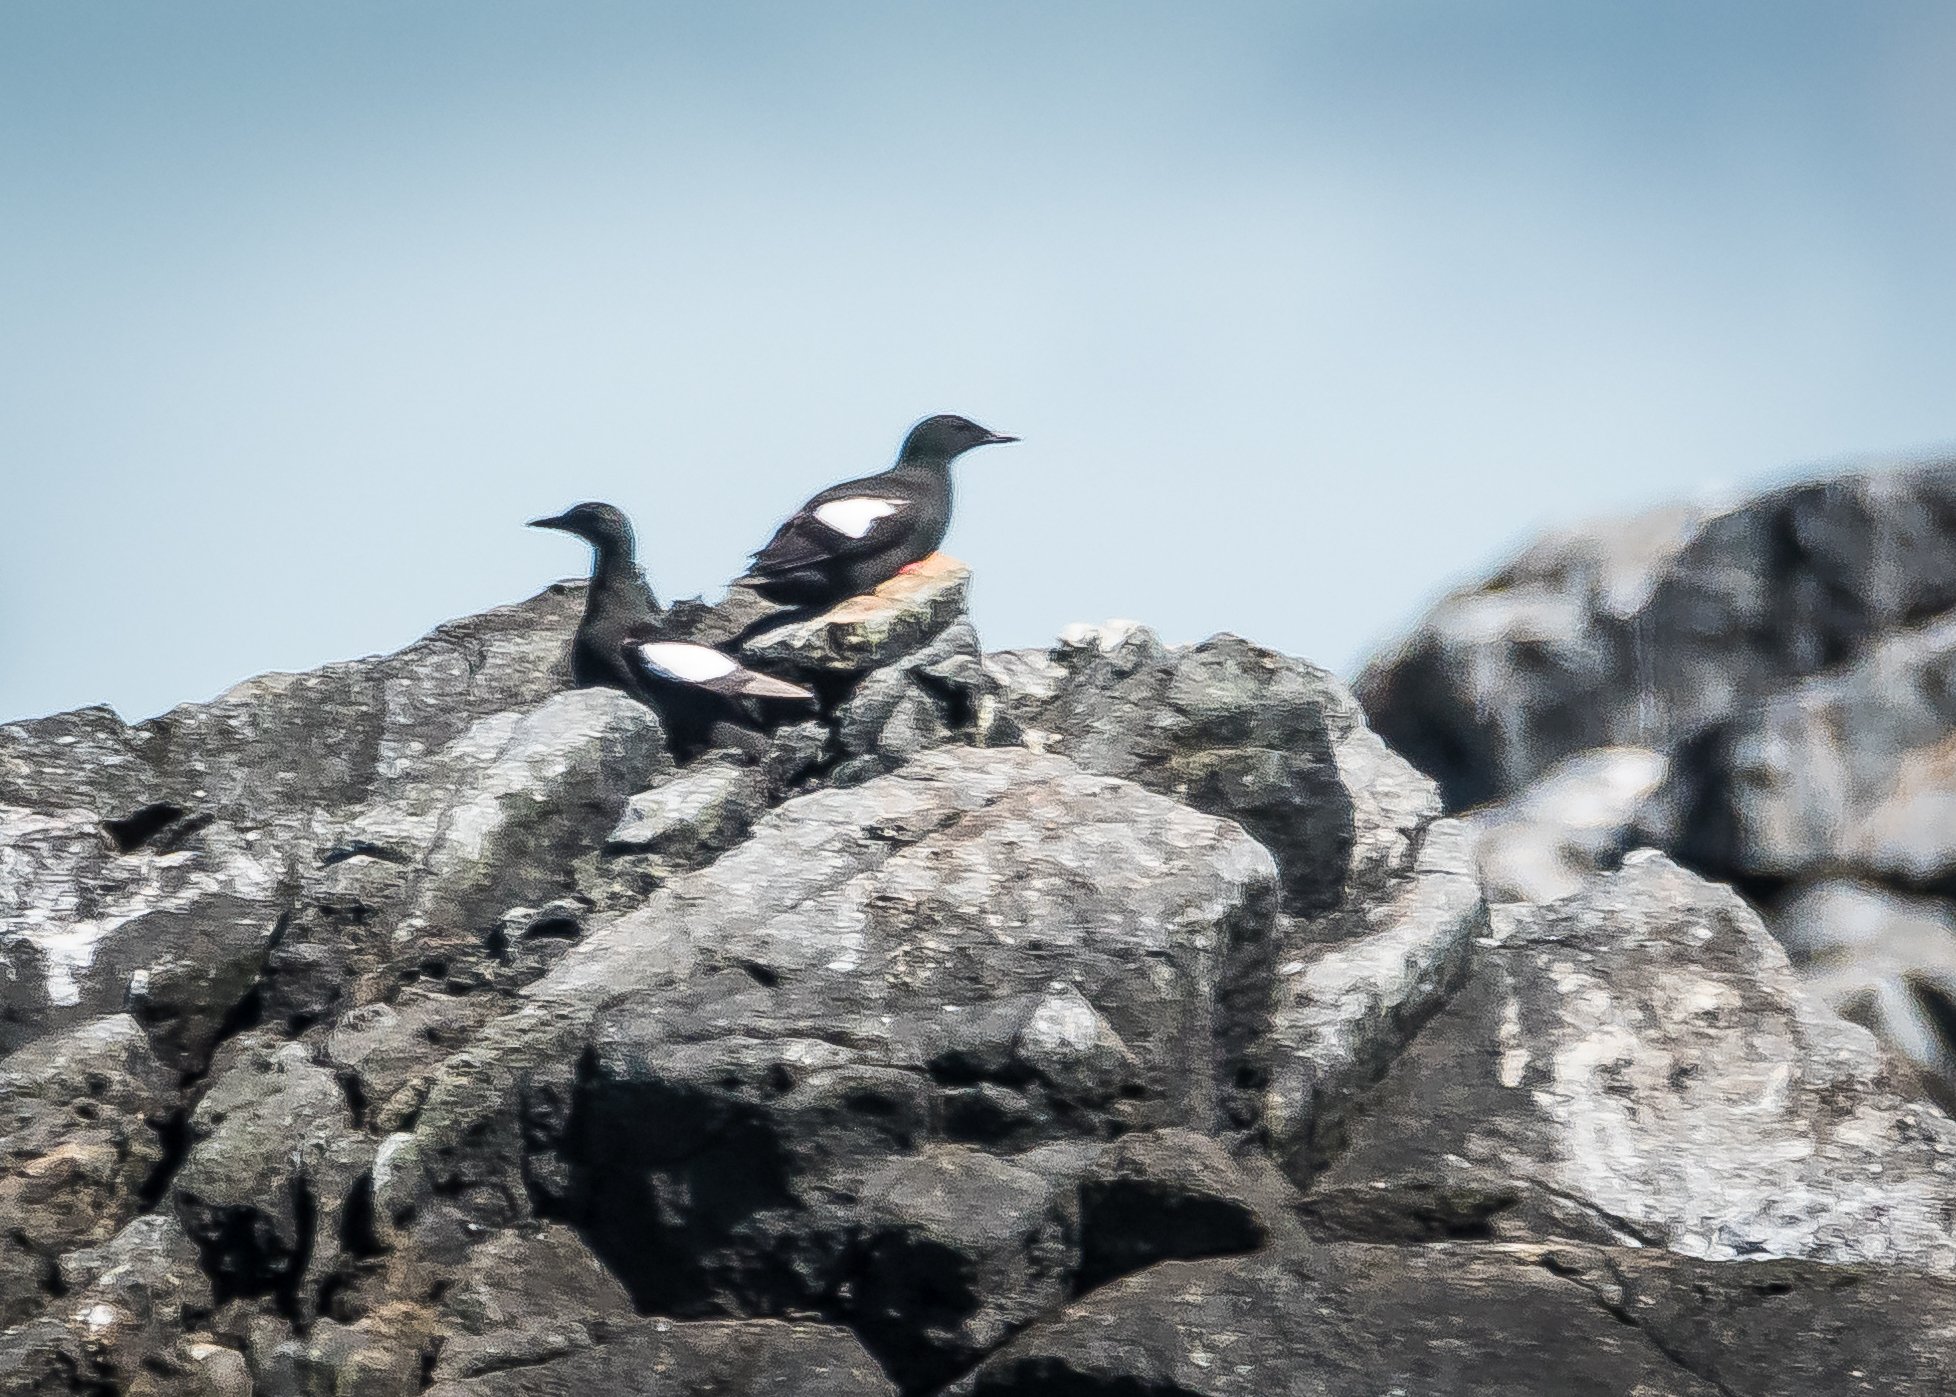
691	664
856	515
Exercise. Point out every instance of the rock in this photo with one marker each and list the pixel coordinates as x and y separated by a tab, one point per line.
175	929
1852	772
276	752
1643	632
1786	660
1115	1019
687	820
1342	1012
413	888
657	1358
1235	730
878	628
959	1250
818	1034
1885	960
121	1308
1578	819
272	1163
149	864
942	693
1162	1195
523	1299
1355	1321
1637	1062
80	1114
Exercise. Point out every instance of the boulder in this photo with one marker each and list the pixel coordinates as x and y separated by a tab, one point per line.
1485	1321
657	1358
120	1310
875	629
82	1117
1235	730
1643	632
1637	1063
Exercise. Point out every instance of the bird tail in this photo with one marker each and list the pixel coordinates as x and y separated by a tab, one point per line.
754	684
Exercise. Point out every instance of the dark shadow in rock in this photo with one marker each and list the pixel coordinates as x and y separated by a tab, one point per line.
132	831
1129	1223
1049	1377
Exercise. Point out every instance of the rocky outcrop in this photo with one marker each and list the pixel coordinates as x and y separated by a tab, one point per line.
1764	691
1120	1018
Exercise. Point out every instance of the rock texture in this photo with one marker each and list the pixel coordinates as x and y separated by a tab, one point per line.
1116	1019
1764	691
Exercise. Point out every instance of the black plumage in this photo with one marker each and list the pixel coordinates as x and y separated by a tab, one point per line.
706	697
855	535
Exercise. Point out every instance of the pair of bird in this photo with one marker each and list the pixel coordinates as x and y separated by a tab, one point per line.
845	541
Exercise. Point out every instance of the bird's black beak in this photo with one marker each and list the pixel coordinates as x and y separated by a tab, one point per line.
554	521
996	439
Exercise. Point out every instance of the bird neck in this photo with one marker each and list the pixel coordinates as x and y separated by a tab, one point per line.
923	467
612	565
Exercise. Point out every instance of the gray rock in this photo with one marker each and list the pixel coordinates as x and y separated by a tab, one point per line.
1852	771
658	1358
331	1360
272	1163
525	1298
1341	1013
176	930
878	628
807	1044
1643	632
941	694
79	1118
1486	1321
122	1307
1234	730
1577	820
416	884
1638	1062
688	819
1886	961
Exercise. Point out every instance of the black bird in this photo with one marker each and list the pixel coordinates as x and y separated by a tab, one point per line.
706	696
860	533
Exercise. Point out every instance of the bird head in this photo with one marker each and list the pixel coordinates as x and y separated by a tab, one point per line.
599	524
946	437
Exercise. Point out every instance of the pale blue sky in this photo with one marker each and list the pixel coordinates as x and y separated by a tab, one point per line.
1303	310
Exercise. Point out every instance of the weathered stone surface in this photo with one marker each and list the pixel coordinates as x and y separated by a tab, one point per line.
1342	1012
523	1299
1642	632
882	626
414	885
1787	659
1637	1062
1579	819
122	1306
943	693
957	1039
657	1358
79	1136
1852	772
709	808
1885	960
1236	730
721	1117
175	928
272	1161
1498	1321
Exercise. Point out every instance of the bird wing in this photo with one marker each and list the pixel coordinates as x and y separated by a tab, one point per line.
682	662
857	519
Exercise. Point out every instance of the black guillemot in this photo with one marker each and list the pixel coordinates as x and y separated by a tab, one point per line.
855	535
707	698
